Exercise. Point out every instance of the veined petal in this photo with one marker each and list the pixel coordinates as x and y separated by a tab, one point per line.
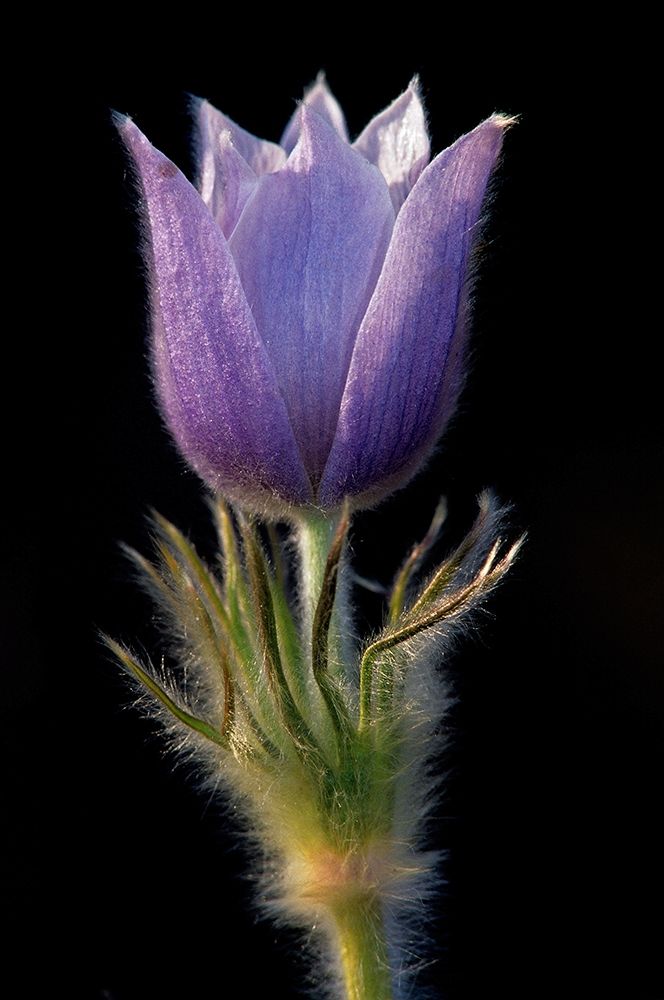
216	386
225	182
320	99
397	141
309	248
262	156
405	373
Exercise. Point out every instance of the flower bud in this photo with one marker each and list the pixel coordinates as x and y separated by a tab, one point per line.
309	299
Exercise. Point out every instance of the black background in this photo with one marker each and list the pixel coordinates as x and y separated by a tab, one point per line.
124	882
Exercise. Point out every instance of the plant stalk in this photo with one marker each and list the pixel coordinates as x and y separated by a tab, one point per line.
362	948
315	534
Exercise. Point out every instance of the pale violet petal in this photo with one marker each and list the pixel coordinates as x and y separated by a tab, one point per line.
397	141
309	248
406	368
320	99
214	379
262	156
225	182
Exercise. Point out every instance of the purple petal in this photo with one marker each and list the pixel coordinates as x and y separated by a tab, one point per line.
309	248
320	99
407	364
397	141
225	181
262	156
215	383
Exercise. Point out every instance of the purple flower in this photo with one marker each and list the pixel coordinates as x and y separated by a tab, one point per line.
309	300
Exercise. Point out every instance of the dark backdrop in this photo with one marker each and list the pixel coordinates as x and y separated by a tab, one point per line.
123	882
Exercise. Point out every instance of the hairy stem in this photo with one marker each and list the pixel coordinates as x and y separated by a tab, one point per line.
315	536
362	947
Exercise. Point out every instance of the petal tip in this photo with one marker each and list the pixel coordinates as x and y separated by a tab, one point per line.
320	83
502	121
130	133
320	98
122	122
194	102
312	125
414	90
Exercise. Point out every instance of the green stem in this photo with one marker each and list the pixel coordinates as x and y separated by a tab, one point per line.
360	939
315	535
320	636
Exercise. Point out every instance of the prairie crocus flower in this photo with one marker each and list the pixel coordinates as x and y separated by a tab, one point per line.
309	320
309	299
